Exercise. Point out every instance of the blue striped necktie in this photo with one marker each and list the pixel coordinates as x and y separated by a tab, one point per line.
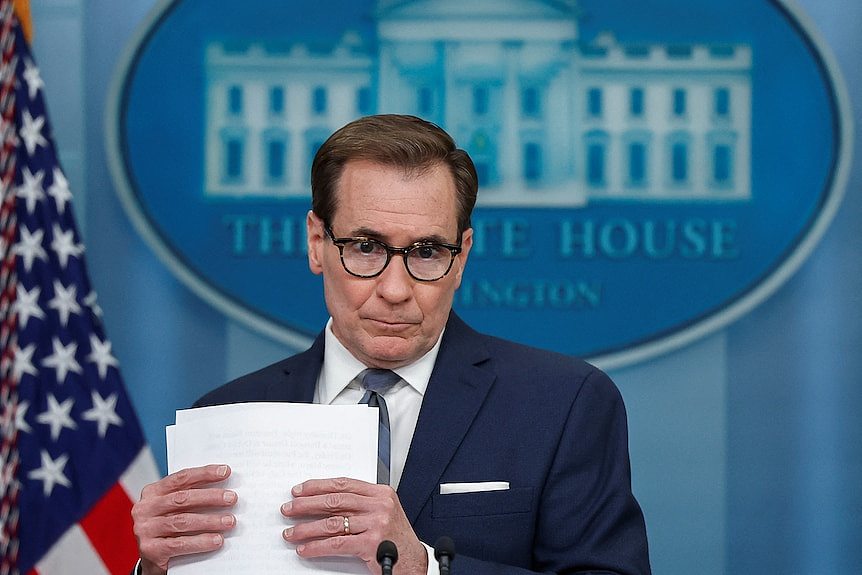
376	382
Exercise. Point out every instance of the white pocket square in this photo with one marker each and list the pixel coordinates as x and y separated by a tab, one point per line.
450	488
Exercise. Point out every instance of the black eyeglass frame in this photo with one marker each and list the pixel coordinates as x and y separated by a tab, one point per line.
454	250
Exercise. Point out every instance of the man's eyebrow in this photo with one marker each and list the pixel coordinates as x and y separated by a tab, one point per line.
376	235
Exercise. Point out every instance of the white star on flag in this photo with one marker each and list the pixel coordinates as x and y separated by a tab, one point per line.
103	412
64	245
64	301
57	416
101	355
31	131
30	247
21	417
33	78
24	362
60	191
90	302
27	305
51	472
62	359
31	188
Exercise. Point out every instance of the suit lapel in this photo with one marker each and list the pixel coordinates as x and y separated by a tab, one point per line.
300	376
455	393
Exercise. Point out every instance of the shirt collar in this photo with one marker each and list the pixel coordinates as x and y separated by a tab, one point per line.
340	367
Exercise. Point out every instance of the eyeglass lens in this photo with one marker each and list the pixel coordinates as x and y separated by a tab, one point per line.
369	257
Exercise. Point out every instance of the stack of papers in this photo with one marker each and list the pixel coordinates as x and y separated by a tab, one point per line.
270	447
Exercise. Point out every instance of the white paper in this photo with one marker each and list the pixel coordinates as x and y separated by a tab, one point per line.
270	447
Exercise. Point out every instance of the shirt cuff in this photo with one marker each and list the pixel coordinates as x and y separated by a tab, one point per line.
433	566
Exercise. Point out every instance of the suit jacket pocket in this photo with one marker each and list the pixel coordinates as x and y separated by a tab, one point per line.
505	502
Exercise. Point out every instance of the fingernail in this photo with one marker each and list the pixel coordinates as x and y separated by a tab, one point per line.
228	520
217	540
297	489
222	471
288	533
285	508
300	549
229	497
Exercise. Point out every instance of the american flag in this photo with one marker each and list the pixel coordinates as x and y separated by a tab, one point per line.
73	454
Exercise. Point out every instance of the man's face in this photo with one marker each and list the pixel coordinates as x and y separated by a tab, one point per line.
392	319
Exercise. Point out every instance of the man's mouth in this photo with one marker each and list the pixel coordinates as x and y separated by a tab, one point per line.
392	324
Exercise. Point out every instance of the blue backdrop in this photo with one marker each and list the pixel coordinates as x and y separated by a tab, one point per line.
746	445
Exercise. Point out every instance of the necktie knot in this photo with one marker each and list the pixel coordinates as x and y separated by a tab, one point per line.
378	380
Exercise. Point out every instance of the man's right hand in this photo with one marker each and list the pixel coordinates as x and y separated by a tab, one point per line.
179	515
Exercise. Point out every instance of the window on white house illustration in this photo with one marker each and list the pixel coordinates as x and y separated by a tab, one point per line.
679	162
234	100
636	102
637	164
363	100
596	159
275	160
481	100
319	100
425	100
532	162
722	165
722	103
276	100
594	102
483	172
679	102
234	152
531	106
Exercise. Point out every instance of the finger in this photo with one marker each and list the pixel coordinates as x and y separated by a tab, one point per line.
183	501
333	526
338	485
327	504
343	546
187	479
160	551
185	524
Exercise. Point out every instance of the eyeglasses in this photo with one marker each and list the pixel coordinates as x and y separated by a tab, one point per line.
367	258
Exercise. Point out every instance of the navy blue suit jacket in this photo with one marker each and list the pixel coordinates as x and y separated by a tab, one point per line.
553	426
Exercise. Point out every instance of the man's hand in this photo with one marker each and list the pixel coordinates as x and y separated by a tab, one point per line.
178	515
373	514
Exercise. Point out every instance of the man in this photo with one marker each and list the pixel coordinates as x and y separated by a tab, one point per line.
520	455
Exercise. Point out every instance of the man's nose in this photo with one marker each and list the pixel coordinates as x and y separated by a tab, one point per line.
395	284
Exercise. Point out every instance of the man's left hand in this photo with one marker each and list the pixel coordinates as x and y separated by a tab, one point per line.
373	514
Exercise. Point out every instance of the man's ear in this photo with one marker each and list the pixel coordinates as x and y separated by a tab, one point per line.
316	242
461	259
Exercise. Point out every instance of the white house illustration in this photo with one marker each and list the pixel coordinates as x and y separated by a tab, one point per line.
548	119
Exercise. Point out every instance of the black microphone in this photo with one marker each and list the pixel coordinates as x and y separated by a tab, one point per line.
387	556
444	552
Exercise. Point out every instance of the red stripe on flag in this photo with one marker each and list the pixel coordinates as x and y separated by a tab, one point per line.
108	525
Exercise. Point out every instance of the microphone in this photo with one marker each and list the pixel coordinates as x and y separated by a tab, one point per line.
387	556
444	552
